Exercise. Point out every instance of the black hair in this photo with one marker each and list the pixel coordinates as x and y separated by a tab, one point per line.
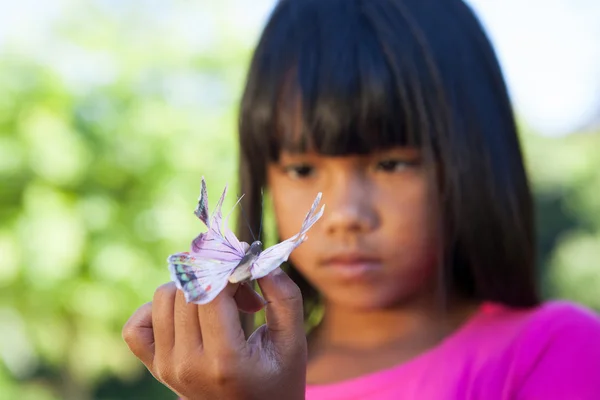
352	76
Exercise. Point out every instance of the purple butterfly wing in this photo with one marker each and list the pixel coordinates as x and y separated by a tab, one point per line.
199	279
202	209
275	255
219	228
219	242
201	212
202	273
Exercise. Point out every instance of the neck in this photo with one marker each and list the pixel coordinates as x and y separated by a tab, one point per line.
418	323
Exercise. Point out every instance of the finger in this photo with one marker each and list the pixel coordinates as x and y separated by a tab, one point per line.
221	327
188	335
163	306
284	311
137	333
248	300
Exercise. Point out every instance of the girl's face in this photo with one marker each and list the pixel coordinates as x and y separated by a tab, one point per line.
375	244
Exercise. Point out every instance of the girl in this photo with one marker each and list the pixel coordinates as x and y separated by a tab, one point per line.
424	259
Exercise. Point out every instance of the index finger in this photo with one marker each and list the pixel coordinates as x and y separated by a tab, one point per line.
220	323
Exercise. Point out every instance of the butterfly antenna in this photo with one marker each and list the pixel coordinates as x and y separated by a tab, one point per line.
247	222
262	211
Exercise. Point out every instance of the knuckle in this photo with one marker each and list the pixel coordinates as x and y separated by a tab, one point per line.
129	334
293	297
163	371
222	371
163	366
164	291
185	374
133	330
290	293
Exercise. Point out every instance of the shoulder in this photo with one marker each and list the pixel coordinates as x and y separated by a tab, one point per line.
544	329
551	320
558	352
560	319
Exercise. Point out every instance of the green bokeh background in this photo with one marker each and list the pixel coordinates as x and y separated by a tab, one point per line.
105	130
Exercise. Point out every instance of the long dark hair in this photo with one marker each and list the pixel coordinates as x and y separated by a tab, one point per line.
361	75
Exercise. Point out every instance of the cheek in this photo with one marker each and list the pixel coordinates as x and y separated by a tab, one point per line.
418	228
284	218
289	212
417	238
414	209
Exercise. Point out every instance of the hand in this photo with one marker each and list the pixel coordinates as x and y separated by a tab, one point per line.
200	351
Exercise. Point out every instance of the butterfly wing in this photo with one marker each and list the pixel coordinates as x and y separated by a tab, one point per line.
219	242
200	280
220	231
202	273
202	208
274	256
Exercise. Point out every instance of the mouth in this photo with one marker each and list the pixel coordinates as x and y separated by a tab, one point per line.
351	266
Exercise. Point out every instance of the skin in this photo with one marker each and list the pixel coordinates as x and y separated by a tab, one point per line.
376	205
200	352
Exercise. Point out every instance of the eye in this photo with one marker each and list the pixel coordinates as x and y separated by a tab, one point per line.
299	171
393	165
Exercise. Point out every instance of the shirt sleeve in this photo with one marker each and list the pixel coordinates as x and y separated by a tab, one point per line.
561	355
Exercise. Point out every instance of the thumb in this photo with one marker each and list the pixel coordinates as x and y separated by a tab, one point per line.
284	310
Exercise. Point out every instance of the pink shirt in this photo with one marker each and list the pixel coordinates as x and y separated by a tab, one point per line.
549	353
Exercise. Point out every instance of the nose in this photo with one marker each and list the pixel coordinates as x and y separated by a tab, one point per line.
350	207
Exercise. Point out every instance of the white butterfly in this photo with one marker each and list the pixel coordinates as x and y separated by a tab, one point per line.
218	257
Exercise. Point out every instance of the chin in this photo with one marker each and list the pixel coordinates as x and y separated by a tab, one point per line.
366	300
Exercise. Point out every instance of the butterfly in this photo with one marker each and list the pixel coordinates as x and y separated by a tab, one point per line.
217	257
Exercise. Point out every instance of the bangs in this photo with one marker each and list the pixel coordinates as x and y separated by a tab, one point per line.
336	86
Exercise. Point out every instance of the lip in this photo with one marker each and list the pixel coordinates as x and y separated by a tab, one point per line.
352	265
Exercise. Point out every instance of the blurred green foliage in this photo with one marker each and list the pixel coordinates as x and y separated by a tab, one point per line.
103	138
565	173
104	134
